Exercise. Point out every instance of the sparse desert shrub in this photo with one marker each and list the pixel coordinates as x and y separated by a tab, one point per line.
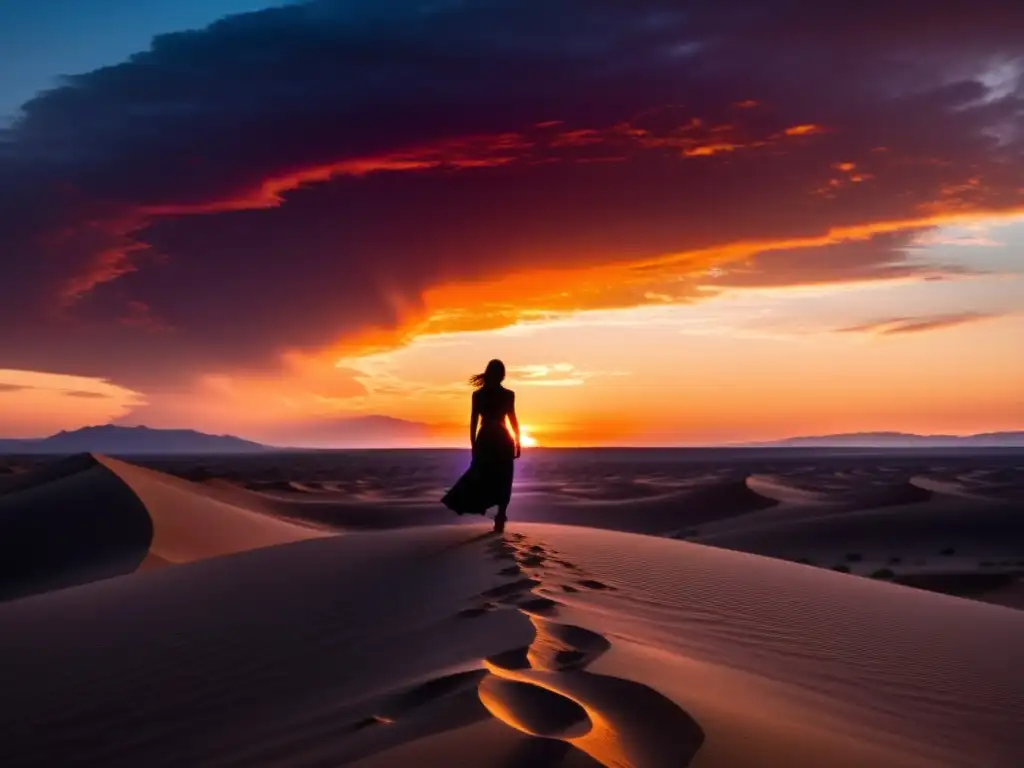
948	551
854	557
883	573
841	568
895	560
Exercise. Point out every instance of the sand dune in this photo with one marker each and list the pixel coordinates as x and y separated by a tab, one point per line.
69	522
435	642
784	492
191	522
85	518
451	646
724	498
796	504
955	486
941	528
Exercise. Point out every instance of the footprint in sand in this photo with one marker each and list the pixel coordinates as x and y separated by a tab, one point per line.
512	588
561	706
366	722
406	701
528	689
530	561
474	611
594	584
515	658
501	550
557	647
535	710
541	606
543	690
514	600
400	704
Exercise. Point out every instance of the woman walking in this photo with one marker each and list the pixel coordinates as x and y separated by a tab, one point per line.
488	481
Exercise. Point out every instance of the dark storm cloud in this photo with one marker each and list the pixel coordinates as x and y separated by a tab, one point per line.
287	177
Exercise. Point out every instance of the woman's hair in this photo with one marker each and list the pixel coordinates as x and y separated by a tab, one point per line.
492	376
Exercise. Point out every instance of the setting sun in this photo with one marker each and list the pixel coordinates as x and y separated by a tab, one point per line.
526	439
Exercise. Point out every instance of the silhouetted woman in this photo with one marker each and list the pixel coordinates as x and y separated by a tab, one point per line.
488	481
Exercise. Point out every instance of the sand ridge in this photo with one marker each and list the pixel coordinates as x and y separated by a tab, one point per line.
89	517
190	523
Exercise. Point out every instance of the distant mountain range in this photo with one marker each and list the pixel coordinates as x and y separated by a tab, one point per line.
131	440
385	432
898	440
116	439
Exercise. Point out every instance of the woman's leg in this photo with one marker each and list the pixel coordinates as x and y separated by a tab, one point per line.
500	518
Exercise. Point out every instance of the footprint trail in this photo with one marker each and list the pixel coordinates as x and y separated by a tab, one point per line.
544	690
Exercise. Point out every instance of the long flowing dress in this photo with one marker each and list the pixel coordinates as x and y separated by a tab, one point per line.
488	481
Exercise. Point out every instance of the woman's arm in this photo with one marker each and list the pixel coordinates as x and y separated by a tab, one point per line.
514	421
474	420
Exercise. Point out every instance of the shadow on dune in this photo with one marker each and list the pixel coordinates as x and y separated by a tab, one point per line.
86	517
665	514
939	523
68	523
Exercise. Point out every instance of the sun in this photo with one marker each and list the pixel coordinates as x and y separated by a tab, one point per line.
526	439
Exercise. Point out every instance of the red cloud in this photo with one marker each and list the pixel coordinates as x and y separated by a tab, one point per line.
282	182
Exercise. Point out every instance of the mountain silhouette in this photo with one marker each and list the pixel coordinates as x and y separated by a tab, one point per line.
111	439
898	440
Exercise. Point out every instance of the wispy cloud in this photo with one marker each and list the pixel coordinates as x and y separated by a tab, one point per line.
901	325
85	394
80	393
556	375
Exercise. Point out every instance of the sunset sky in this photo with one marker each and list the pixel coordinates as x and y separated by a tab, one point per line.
677	223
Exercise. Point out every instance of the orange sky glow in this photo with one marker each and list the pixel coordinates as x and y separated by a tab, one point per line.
710	366
693	233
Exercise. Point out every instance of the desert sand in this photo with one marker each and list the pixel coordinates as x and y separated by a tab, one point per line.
90	517
282	629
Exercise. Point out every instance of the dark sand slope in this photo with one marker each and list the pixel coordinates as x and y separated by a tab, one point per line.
551	646
653	510
66	523
948	534
86	518
316	653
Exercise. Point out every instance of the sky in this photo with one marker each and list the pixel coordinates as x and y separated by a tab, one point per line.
309	223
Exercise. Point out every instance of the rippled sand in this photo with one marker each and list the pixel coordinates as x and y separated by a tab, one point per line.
322	609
